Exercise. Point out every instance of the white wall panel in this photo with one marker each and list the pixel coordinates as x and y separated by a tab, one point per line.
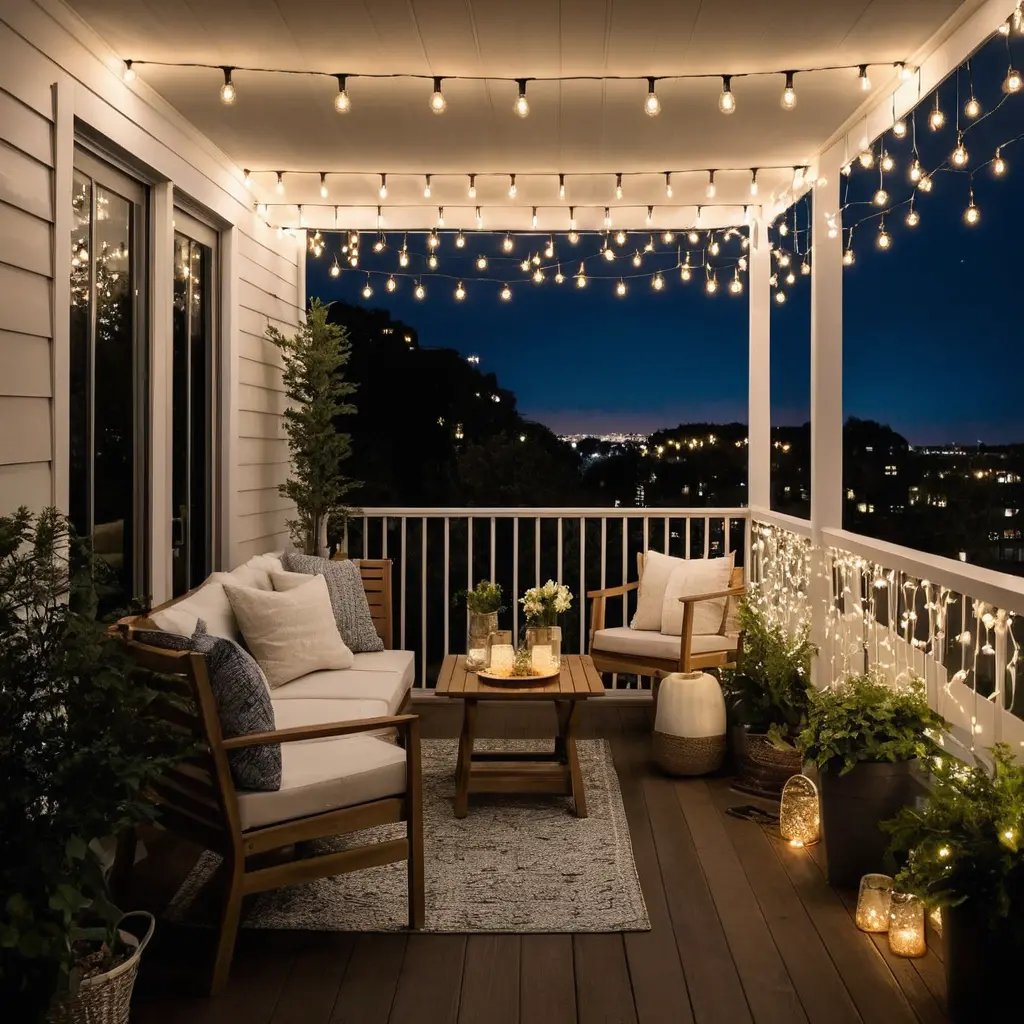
26	365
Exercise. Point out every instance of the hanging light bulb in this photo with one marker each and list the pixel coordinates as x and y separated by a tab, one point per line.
246	177
403	257
506	293
736	285
650	215
618	186
652	105
913	218
378	246
784	259
865	82
668	184
533	220
1013	81
438	104
128	75
726	99
525	265
521	106
342	104
559	276
432	261
972	108
620	237
685	272
783	229
420	291
780	297
383	190
367	290
479	219
693	238
658	282
972	214
998	164
227	90
426	186
279	187
391	285
848	256
899	128
471	191
710	191
915	170
805	269
574	237
432	240
846	170
620	288
887	163
609	252
460	292
323	184
460	241
506	243
512	186
959	155
753	182
335	269
714	248
791	278
637	258
867	159
668	238
881	197
925	184
549	250
581	277
538	276
481	262
711	285
936	119
607	217
789	93
1004	28
353	258
883	241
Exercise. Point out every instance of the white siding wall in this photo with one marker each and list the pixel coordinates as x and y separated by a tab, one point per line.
55	72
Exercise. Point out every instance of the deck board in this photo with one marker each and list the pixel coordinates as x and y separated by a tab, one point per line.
743	929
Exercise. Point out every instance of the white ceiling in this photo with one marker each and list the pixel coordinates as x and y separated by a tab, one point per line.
288	122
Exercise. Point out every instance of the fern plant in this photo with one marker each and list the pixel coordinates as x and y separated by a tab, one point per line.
770	688
317	391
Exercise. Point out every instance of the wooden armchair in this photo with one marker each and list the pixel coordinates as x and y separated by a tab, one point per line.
646	652
198	799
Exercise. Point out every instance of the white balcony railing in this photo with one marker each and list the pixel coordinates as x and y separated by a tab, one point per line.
439	551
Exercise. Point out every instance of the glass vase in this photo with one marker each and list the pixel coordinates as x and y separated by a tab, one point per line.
481	626
545	646
500	653
906	925
873	903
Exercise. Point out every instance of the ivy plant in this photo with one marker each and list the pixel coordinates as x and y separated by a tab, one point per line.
964	843
866	719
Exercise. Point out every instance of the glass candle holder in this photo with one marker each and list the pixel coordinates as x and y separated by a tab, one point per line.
545	646
501	653
481	626
799	818
906	925
873	903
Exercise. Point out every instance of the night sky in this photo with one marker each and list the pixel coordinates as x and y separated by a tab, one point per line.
931	327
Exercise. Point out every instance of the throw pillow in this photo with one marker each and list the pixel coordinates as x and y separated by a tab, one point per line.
208	602
242	698
290	633
697	576
348	598
657	570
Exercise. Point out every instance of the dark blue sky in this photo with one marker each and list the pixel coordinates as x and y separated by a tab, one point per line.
931	327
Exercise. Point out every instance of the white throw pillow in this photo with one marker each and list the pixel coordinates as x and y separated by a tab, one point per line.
697	576
285	580
290	633
209	603
657	570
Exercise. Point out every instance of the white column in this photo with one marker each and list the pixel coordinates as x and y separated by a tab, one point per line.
759	417
227	497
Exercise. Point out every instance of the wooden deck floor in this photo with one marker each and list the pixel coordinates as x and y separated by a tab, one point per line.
743	929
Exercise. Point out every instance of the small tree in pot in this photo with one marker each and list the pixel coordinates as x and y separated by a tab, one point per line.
768	694
964	852
864	735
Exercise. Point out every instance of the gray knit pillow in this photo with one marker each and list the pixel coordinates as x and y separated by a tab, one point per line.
348	599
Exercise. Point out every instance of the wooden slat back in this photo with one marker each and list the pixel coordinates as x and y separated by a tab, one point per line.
376	576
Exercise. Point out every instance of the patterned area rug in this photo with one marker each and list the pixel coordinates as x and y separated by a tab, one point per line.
514	864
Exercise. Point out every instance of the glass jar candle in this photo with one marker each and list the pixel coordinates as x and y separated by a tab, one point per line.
799	818
873	903
906	925
501	653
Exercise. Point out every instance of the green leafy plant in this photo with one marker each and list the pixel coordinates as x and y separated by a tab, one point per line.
964	843
483	599
81	734
769	690
317	391
866	719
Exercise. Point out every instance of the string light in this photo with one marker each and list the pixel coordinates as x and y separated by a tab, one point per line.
342	104
650	216
378	246
403	256
481	262
561	186
936	119
887	162
391	285
620	237
913	218
460	292
867	159
521	107
618	186
711	285
925	184
692	237
367	290
972	108
432	240
658	282
538	276
714	247
726	100
559	276
848	257
1004	28
780	297
323	184
668	184
620	288
668	238
432	261
685	273
506	244
128	75
1013	81
581	277
420	292
426	186
227	90
865	82
915	170
279	187
609	252
246	178
805	268
736	285
652	105
789	92
881	197
972	214
607	217
899	128
753	182
710	191
335	268
383	190
471	191
998	164
549	251
460	241
479	219
884	241
637	259
512	186
525	265
959	155
438	104
791	278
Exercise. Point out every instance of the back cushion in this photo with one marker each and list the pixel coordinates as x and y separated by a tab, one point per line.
657	570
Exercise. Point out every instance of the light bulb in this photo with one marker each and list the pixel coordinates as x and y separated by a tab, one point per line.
652	105
972	108
693	238
658	282
533	219
549	250
479	219
899	128
913	218
936	119
714	248
247	178
620	237
574	237
353	259
432	240
538	276
887	162
726	100
426	187
881	197
915	170
581	277
753	182
805	268
481	263
791	278
609	254
561	186
367	290
668	238
383	190
512	186
780	297
335	270
607	217
710	190
711	285
536	259
460	241
959	155
972	214
420	292
1004	29
846	170
685	273
521	106
618	186
867	159
279	187
227	90
432	261
471	191
403	258
848	258
784	259
1013	81
506	244
637	259
559	276
736	285
998	164
392	284
865	82
378	246
668	184
789	93
883	241
525	265
925	184
438	104
342	104
323	186
128	75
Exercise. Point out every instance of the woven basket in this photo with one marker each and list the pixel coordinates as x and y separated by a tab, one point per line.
106	998
688	755
761	768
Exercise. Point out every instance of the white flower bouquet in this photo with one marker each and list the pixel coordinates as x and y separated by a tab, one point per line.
542	605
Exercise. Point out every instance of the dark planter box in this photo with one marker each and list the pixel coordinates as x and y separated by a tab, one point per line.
982	958
852	805
761	768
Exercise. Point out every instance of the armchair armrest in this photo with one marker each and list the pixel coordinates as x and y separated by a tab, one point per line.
731	592
319	732
614	591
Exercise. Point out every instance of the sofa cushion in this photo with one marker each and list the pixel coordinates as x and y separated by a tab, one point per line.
290	714
650	597
350	684
348	598
290	633
402	662
697	576
646	643
209	603
325	775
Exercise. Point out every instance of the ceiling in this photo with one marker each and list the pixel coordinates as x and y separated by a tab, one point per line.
589	130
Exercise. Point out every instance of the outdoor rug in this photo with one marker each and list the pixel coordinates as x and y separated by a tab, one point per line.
514	864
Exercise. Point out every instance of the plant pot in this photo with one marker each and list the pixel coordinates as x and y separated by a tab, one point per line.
981	962
852	805
106	998
481	626
762	769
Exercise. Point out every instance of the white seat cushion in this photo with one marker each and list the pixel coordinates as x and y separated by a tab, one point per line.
348	684
646	643
402	662
290	714
326	775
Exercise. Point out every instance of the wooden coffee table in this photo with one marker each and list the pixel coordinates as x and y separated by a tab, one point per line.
526	771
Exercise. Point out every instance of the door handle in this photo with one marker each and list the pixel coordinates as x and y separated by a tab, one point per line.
179	527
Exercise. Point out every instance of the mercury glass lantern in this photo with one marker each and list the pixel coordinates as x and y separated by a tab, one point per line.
906	925
873	903
501	653
799	817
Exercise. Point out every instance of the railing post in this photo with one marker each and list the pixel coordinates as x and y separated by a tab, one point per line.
759	415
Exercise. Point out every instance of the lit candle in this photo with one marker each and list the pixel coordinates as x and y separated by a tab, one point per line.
502	657
799	821
906	925
476	658
541	659
873	903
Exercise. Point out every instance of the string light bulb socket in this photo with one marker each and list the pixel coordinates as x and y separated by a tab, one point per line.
471	191
998	164
936	119
726	99
521	107
342	103
711	190
438	104
227	90
561	186
972	214
460	292
1013	81
652	105
618	186
512	190
128	75
884	240
789	92
383	190
323	184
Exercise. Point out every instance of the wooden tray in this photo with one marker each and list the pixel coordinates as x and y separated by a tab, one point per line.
518	680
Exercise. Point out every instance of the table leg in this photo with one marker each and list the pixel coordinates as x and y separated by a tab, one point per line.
568	724
463	767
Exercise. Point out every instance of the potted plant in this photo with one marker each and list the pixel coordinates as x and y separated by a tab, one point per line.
541	607
768	694
81	735
483	603
317	391
865	736
964	853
